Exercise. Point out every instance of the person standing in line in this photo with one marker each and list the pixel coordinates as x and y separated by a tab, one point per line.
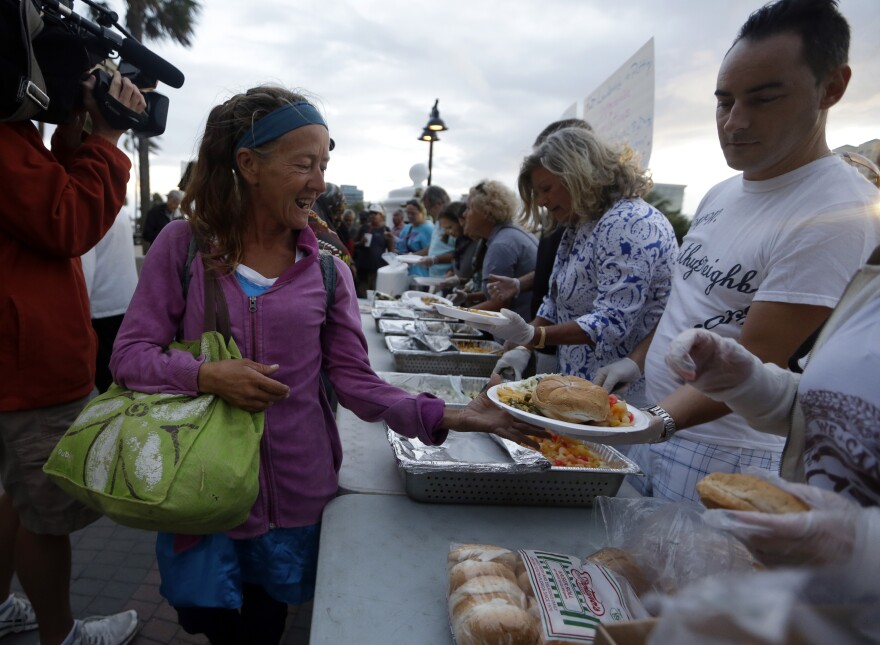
158	217
416	235
372	241
438	256
56	206
111	277
770	251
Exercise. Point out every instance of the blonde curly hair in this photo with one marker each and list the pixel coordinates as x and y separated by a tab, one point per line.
497	201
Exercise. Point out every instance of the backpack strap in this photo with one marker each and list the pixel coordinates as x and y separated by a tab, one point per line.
328	274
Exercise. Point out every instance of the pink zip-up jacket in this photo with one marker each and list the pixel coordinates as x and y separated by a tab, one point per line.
301	452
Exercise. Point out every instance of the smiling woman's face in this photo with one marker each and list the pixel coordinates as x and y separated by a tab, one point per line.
551	193
414	215
291	177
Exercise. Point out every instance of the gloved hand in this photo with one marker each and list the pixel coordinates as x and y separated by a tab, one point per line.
725	371
426	261
514	329
826	534
512	364
457	297
449	282
503	287
617	376
709	362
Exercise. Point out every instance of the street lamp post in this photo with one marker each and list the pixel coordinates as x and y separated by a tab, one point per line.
429	134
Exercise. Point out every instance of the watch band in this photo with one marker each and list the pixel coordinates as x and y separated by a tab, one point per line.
669	426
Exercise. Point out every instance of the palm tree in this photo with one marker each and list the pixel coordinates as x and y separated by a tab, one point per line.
158	20
680	223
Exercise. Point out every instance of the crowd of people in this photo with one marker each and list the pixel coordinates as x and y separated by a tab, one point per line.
587	275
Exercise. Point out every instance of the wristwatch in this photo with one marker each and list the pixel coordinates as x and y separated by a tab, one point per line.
669	427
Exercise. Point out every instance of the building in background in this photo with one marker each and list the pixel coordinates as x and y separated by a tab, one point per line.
865	158
352	194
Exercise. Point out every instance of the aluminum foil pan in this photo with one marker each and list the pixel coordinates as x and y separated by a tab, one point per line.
453	389
466	452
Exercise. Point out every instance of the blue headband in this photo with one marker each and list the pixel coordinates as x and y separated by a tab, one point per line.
279	122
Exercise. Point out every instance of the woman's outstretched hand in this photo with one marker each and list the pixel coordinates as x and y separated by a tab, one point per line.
481	415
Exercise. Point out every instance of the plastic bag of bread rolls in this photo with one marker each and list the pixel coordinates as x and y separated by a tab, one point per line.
500	597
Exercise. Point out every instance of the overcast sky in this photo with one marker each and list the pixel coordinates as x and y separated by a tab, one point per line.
502	70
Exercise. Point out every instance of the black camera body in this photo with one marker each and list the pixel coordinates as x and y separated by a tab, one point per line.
45	51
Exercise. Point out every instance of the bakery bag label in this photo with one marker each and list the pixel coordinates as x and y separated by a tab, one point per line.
573	597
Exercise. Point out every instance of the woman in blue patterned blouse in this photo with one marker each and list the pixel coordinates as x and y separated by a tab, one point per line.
612	274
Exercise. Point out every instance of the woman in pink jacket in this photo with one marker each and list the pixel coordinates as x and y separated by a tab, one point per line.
260	169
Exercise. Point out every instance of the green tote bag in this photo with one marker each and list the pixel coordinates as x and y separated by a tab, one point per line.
165	462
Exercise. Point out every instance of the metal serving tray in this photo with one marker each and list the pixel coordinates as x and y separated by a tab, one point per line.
392	327
455	390
407	358
466	471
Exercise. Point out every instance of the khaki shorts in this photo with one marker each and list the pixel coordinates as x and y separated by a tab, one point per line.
27	438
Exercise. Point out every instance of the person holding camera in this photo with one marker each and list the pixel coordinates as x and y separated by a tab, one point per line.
56	206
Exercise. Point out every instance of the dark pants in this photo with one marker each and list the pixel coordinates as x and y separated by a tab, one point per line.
260	621
106	329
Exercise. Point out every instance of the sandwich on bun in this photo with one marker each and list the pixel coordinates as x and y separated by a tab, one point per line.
571	398
741	492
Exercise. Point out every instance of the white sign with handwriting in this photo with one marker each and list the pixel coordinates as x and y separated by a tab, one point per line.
621	110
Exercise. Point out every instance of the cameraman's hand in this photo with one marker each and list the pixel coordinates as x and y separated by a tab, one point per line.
124	91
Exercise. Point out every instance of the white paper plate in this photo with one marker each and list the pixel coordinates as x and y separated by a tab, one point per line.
410	258
471	315
427	281
571	429
417	299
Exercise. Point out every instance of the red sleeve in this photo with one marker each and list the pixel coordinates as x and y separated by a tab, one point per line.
60	209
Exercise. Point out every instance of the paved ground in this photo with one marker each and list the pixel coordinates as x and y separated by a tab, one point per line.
114	568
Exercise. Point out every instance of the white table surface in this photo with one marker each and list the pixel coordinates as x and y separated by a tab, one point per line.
382	566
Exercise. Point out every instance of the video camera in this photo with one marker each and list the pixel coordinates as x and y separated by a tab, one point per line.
45	50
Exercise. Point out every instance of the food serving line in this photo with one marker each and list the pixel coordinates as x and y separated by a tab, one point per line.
382	565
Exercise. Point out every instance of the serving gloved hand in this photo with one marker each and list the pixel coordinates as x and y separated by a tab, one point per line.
725	371
514	330
427	261
449	282
457	297
617	376
832	532
512	364
503	287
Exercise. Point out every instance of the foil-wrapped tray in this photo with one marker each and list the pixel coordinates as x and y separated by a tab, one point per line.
475	468
455	390
409	356
392	327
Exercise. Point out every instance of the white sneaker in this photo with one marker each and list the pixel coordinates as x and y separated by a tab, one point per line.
18	617
117	629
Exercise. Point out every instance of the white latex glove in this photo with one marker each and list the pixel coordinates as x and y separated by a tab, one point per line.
514	329
725	371
449	282
826	534
617	376
503	287
426	261
516	359
710	362
457	297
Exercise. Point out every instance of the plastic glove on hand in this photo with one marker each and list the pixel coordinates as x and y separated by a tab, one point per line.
826	534
709	362
503	287
515	329
512	364
617	376
457	297
449	282
426	261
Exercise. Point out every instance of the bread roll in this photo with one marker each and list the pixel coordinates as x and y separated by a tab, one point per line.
525	584
483	553
467	569
571	398
740	492
624	565
485	588
491	623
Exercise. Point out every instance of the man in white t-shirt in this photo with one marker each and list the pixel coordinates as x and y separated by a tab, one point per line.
769	251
